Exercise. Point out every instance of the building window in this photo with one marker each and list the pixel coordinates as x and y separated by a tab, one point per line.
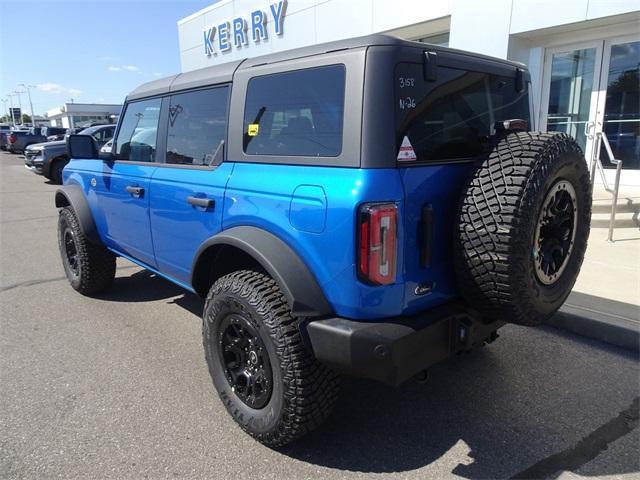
81	121
441	39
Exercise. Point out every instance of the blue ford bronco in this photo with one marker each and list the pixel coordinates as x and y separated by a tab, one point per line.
369	206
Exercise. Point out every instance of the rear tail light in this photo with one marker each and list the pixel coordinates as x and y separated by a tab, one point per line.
12	138
377	243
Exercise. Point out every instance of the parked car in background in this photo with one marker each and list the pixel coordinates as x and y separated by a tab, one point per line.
55	133
4	131
19	140
50	158
107	147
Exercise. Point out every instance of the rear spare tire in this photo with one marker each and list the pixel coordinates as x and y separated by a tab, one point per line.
523	227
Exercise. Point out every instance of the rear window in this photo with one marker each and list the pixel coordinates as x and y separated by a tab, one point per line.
298	113
453	117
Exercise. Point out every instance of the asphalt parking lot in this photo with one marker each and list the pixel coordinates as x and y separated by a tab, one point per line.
116	387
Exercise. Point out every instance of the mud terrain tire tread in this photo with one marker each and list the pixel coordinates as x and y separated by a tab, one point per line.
309	389
97	264
498	214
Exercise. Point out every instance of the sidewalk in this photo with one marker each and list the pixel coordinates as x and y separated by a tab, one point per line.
605	302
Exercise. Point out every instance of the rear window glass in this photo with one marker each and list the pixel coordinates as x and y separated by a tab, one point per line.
453	117
297	113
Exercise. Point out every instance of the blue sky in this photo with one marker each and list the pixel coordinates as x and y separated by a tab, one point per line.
91	51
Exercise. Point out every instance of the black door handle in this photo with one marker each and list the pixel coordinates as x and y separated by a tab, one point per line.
201	202
135	191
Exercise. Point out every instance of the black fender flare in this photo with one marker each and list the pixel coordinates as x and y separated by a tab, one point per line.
73	196
280	261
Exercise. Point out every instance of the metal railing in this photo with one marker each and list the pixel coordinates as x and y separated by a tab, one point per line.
596	164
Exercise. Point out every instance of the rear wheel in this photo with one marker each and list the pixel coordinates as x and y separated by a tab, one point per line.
268	380
523	227
89	268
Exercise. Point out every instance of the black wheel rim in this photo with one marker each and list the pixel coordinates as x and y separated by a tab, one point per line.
245	361
555	232
71	251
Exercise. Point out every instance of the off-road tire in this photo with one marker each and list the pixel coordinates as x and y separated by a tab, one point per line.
56	170
96	266
498	217
304	391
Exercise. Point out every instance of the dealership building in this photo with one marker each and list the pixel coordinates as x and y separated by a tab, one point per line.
583	55
78	115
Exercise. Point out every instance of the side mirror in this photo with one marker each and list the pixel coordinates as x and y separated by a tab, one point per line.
82	146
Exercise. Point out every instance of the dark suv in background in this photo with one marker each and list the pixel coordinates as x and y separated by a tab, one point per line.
50	158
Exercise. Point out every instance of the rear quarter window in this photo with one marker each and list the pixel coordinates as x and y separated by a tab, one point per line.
297	113
453	117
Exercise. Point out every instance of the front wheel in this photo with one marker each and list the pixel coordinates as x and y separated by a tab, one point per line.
56	170
89	268
269	382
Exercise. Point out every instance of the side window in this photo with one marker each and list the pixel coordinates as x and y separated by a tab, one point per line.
137	136
298	113
103	135
197	126
108	134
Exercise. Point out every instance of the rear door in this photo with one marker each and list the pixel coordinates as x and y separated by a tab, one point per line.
187	191
122	188
442	125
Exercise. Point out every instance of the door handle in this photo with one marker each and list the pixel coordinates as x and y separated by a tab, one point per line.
201	202
135	191
587	129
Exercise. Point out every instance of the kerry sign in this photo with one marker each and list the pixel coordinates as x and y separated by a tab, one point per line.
235	33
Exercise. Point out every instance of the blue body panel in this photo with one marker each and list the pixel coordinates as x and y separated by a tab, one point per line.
312	209
121	219
177	227
440	187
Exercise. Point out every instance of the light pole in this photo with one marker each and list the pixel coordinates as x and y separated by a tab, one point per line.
13	118
27	88
4	101
19	104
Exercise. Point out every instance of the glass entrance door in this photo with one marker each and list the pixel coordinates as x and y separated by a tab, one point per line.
595	87
571	79
619	102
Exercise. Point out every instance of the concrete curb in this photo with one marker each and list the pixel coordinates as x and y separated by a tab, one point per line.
606	320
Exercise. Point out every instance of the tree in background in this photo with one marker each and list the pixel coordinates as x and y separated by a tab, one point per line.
26	118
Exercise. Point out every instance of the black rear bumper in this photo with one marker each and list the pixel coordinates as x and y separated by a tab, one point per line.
394	350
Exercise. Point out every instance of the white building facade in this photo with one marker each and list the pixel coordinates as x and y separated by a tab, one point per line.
583	55
77	115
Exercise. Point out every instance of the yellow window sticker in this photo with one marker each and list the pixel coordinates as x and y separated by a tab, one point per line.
253	129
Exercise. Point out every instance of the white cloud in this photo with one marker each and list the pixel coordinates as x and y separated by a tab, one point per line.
58	89
126	68
157	74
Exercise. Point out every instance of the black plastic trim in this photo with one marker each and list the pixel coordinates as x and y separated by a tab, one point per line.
281	262
72	195
426	235
395	349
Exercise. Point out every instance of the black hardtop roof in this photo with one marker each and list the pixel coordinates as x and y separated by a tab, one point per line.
224	72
